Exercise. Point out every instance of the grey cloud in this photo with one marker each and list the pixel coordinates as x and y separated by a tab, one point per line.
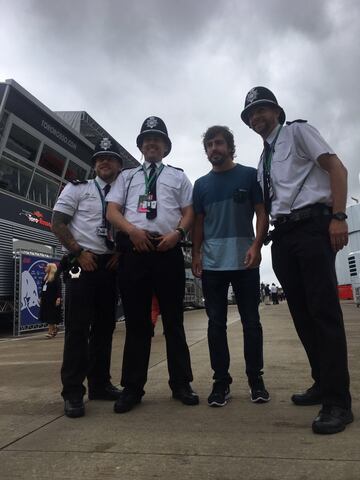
192	63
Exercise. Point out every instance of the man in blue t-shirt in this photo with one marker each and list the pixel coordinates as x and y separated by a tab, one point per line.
226	251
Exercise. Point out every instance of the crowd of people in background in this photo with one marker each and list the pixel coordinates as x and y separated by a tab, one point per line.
271	294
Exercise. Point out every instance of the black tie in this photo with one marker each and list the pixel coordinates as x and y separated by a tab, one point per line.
107	189
109	239
152	212
266	175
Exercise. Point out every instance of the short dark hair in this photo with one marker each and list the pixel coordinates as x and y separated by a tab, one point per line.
211	132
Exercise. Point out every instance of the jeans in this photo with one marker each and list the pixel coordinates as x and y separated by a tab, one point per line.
246	287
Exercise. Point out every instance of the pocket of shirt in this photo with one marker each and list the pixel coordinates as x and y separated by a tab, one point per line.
168	190
282	152
280	164
89	203
240	195
169	186
136	188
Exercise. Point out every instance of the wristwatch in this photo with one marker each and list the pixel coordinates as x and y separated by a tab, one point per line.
341	216
182	232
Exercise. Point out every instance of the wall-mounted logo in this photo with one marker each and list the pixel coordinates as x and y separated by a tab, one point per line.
36	218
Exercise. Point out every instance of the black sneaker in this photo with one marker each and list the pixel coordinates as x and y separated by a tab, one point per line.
220	395
258	392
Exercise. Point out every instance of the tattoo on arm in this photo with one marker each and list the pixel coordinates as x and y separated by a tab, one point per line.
59	226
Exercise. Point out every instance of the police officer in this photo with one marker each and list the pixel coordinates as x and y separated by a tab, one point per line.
79	222
305	188
152	206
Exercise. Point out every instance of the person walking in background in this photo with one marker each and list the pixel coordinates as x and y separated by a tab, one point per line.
274	294
50	300
267	294
152	206
226	251
262	292
305	188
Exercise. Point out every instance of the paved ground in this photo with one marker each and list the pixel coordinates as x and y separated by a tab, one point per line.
163	439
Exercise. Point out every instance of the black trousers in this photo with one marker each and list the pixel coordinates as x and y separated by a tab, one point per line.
141	275
304	263
89	326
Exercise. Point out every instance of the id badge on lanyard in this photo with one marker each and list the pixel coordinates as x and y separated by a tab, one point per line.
102	231
146	202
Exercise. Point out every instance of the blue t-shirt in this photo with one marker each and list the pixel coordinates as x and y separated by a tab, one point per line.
227	199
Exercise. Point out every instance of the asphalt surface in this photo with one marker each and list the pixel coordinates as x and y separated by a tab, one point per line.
163	439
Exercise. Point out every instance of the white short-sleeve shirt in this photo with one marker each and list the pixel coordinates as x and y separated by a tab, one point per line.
83	203
173	192
297	180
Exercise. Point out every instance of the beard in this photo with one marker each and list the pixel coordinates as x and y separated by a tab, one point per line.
217	160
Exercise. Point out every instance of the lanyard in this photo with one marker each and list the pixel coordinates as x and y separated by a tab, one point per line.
103	203
150	180
268	159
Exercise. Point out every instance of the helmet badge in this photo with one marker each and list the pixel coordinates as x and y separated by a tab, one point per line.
252	95
105	144
151	122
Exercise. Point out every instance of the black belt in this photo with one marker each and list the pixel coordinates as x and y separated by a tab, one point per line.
305	213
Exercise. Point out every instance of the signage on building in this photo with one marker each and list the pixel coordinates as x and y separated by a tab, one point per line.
24	213
33	115
58	134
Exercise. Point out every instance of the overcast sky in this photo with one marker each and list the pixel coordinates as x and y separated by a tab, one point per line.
191	63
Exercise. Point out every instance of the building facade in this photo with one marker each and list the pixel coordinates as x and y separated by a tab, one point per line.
40	152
